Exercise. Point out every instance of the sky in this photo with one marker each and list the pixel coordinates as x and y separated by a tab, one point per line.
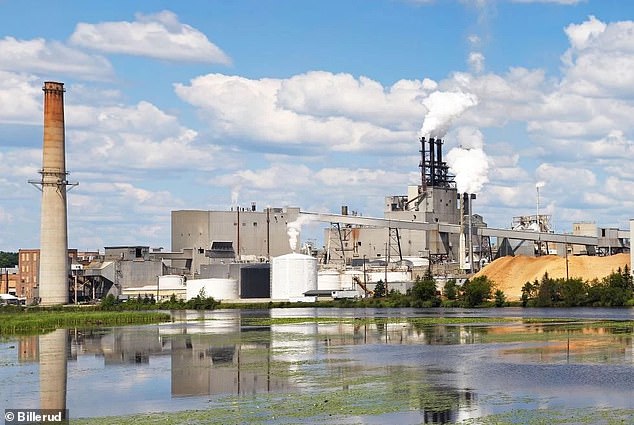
315	104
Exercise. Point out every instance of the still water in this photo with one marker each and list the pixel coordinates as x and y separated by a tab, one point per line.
205	359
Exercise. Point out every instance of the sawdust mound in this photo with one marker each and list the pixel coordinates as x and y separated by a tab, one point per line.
511	273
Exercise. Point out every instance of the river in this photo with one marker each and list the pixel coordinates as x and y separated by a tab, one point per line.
418	372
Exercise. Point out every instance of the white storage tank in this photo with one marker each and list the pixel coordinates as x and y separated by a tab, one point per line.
292	275
218	289
329	280
171	281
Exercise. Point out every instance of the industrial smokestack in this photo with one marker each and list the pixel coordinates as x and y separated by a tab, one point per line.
432	162
53	279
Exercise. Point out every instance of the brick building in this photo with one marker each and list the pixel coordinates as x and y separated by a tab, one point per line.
29	270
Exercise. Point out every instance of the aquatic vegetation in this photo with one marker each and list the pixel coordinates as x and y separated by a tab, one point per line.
39	322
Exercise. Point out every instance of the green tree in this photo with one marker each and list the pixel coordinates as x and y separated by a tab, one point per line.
379	289
529	292
549	292
500	298
425	289
451	289
574	293
8	259
477	291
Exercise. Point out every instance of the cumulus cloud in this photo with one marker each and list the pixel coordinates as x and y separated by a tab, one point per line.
160	36
21	98
263	111
51	58
598	58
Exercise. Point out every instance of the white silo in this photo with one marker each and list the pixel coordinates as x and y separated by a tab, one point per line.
218	289
292	275
329	280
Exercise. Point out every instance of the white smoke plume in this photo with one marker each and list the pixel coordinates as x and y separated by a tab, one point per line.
468	162
443	108
293	230
235	193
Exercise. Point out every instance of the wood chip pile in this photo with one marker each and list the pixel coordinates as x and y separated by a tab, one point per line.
511	273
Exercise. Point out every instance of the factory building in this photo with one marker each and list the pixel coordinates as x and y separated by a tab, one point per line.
611	240
241	235
122	267
435	200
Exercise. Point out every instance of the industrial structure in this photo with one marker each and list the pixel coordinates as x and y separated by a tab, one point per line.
442	215
244	253
242	235
53	267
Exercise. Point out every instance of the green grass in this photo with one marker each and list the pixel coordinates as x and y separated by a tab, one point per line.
39	322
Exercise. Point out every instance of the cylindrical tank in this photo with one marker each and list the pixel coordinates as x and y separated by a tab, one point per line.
170	281
329	280
292	275
218	289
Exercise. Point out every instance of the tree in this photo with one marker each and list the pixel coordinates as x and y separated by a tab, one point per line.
425	289
574	292
477	291
379	289
451	289
529	292
500	298
8	259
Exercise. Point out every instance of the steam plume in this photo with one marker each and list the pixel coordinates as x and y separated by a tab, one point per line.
468	162
443	108
294	229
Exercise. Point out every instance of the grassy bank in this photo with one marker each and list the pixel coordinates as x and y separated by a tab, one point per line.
40	321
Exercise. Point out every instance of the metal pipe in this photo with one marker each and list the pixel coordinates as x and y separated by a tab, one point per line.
439	167
432	162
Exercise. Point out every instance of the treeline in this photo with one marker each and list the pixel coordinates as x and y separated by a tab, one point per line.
200	302
479	291
8	259
614	290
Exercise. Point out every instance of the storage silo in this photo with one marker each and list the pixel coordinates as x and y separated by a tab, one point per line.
329	280
218	289
292	275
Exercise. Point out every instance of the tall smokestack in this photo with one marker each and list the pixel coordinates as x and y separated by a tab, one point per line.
53	280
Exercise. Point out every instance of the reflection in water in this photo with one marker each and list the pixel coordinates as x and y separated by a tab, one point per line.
53	348
446	373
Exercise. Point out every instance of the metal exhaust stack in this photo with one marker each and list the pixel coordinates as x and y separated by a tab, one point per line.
53	279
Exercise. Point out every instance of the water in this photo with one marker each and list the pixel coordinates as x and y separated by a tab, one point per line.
207	358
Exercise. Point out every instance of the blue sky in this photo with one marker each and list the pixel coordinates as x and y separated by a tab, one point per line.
316	104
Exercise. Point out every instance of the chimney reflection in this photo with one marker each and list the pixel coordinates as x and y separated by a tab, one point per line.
53	349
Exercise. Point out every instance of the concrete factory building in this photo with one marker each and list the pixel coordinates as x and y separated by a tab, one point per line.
241	234
435	200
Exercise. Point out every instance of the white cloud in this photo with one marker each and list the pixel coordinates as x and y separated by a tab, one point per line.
139	136
159	35
599	58
242	108
21	98
476	62
51	57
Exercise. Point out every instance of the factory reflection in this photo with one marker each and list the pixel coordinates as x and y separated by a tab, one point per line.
229	354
